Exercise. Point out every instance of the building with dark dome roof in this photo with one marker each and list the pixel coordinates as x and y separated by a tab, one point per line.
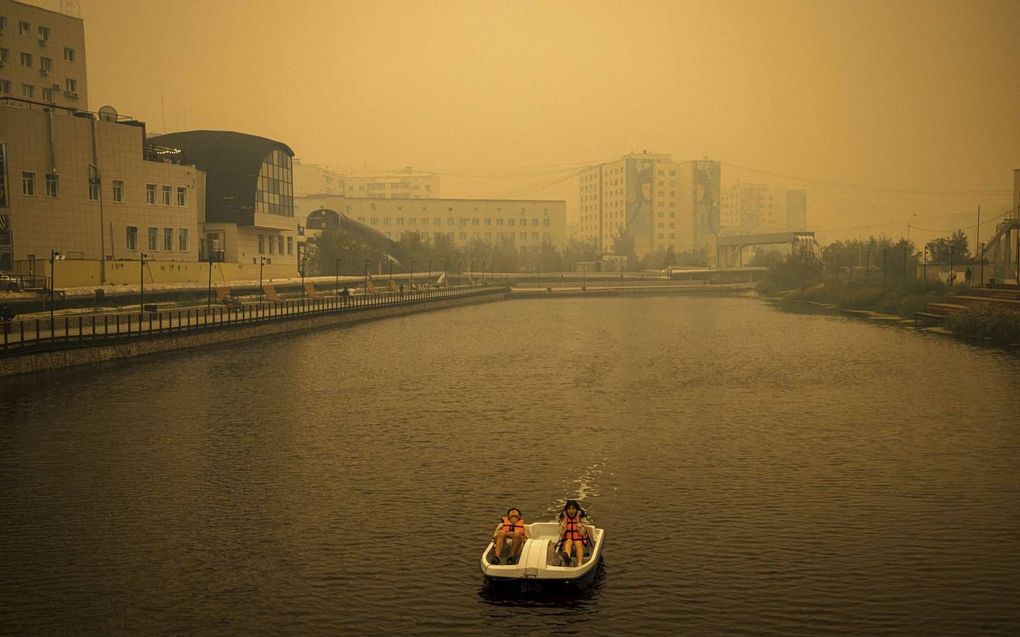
249	197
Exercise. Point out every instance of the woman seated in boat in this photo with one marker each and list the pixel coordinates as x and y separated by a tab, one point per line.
573	532
512	528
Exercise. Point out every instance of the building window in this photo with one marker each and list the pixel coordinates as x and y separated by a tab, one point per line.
44	33
168	238
262	244
45	65
150	194
28	183
118	190
24	28
68	54
93	190
279	245
182	239
3	24
153	237
5	56
26	59
47	95
290	245
132	238
167	190
52	185
182	196
71	85
271	245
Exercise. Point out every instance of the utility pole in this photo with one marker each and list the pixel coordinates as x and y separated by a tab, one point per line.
977	244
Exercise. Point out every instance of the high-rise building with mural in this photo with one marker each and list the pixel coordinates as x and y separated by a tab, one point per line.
650	202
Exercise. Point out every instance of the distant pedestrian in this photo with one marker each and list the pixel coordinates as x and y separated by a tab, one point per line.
401	290
968	275
346	295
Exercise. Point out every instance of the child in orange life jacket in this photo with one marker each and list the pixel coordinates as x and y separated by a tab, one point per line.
510	527
573	533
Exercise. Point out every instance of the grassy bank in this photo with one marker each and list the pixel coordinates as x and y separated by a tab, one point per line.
895	296
989	321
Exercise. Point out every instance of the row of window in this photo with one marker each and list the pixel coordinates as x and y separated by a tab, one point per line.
275	244
153	236
46	93
25	28
28	188
451	221
488	236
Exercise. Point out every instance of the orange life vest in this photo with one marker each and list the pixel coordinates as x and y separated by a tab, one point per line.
572	528
513	527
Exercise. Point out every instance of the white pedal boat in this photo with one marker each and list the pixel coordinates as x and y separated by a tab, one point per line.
539	561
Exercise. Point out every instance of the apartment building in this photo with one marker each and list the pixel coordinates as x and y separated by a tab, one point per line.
754	208
651	200
84	186
42	56
527	223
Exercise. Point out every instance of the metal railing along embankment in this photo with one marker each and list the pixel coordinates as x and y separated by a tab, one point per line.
35	335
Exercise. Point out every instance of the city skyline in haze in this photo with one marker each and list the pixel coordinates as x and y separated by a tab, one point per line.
879	111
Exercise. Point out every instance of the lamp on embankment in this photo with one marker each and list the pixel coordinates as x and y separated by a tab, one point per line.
262	262
54	257
141	278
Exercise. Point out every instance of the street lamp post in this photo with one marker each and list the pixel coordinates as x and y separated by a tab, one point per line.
981	266
429	280
412	274
141	277
262	262
951	264
924	267
366	275
391	273
867	265
584	277
54	256
460	273
208	295
301	271
337	286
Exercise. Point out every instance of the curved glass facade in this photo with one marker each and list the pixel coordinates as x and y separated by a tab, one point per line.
276	185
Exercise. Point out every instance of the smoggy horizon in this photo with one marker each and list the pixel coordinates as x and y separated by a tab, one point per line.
885	114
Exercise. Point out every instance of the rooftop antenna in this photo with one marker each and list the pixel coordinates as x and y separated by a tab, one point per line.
70	7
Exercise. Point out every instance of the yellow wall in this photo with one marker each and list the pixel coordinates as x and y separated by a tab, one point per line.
85	273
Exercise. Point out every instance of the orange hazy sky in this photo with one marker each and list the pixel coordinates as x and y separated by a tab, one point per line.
879	109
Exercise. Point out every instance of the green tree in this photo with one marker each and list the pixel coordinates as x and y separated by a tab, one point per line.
951	249
799	269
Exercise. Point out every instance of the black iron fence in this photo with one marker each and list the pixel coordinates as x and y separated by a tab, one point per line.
65	332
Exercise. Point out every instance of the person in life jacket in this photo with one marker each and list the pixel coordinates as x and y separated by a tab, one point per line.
573	532
512	528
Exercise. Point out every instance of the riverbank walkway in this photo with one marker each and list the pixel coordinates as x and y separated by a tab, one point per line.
38	333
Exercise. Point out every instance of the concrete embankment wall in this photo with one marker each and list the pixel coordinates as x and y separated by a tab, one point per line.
43	361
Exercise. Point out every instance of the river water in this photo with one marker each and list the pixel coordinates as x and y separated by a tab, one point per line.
758	472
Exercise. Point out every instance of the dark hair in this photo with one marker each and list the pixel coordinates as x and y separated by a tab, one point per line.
573	503
520	515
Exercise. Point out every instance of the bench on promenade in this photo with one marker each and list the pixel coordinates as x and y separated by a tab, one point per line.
310	291
271	294
223	296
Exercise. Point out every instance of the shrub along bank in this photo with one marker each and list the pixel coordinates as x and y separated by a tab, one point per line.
999	324
896	296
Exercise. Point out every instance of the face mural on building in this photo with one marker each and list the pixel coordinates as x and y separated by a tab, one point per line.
706	201
639	200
